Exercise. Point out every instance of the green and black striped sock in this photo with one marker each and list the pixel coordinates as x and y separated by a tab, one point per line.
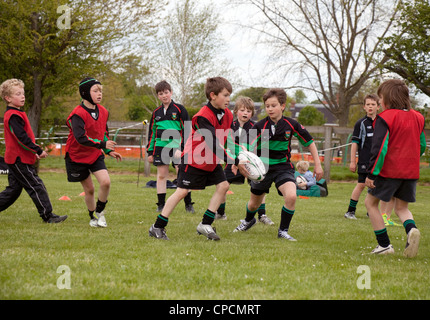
250	214
382	237
409	224
221	209
208	217
161	221
262	209
286	216
352	205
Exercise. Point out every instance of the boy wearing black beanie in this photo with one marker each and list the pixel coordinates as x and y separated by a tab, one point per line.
88	136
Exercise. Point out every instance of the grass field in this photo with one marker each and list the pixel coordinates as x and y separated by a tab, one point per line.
123	262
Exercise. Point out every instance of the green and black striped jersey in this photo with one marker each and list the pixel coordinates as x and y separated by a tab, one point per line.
273	141
166	128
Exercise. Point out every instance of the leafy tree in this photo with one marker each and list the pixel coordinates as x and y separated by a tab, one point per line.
310	116
328	45
51	47
408	50
188	49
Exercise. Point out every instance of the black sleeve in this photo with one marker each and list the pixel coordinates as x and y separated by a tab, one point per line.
378	152
186	130
17	124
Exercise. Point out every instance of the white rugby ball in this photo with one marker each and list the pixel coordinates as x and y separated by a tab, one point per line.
254	165
299	180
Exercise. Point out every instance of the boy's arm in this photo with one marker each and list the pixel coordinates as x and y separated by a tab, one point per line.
16	124
186	127
318	171
151	136
423	142
353	163
379	148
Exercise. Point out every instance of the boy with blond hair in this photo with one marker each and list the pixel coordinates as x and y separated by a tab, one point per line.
244	110
394	167
21	154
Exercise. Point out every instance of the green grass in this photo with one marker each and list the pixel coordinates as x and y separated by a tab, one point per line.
123	262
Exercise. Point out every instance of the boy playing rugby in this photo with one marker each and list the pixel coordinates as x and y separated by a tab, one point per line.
200	166
394	168
21	154
273	142
88	135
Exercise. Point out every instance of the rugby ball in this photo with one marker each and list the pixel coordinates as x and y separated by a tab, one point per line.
299	180
254	165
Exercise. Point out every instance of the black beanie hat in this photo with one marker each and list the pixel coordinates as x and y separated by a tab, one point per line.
85	87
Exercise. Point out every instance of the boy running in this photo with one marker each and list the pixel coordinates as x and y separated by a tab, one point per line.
200	166
21	154
88	136
273	142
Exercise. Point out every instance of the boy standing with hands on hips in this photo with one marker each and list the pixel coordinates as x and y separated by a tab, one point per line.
88	136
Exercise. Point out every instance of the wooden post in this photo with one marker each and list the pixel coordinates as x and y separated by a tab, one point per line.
328	131
147	165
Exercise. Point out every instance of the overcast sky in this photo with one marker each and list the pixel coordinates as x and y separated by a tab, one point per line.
249	58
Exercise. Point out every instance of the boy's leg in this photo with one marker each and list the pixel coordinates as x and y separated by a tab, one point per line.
386	210
188	201
31	182
89	190
11	193
162	173
205	227
288	191
378	225
262	217
406	217
355	196
103	179
157	229
251	209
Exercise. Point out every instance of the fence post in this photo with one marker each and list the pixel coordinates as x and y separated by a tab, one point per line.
328	130
147	165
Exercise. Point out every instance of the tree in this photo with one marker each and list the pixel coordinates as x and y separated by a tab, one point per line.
408	50
51	47
189	48
310	116
329	45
